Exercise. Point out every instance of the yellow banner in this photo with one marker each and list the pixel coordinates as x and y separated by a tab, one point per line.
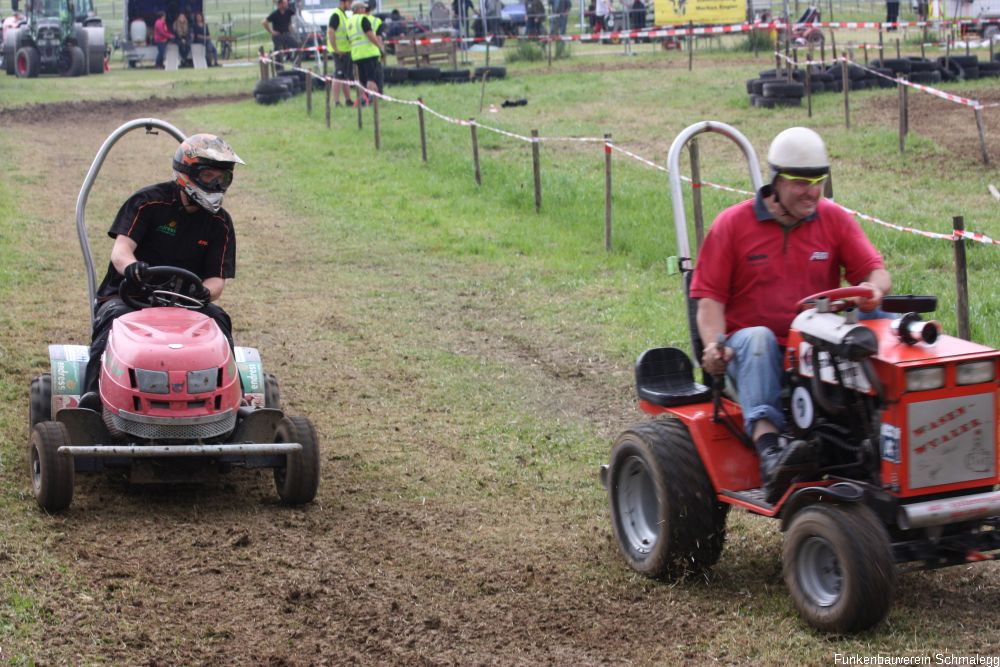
669	12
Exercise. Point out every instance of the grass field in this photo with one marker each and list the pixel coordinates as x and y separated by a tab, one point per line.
426	291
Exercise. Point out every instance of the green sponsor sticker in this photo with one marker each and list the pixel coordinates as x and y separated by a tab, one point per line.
66	377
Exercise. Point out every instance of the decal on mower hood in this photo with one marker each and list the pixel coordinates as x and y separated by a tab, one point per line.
851	372
951	440
251	374
68	365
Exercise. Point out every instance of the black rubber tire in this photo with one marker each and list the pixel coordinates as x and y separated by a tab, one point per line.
455	76
989	68
918	64
757	86
95	59
897	65
271	86
838	566
27	62
782	89
271	98
424	74
926	77
854	72
8	55
395	74
52	475
75	63
272	392
797	74
816	87
881	81
291	81
298	481
40	403
971	73
666	519
966	61
787	101
494	73
765	102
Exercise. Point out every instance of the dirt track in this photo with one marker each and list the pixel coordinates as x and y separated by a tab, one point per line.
417	550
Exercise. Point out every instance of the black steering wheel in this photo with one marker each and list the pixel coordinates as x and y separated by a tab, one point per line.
163	286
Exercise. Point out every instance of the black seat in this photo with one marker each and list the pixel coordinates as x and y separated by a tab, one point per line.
665	376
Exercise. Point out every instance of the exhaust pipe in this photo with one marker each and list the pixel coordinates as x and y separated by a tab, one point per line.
950	510
911	330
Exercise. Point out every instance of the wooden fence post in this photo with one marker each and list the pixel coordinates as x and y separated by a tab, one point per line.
690	45
845	66
359	100
809	97
329	92
903	117
537	165
982	135
961	280
375	122
309	93
475	152
607	192
423	133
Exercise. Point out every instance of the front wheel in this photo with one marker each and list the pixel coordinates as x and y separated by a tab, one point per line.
52	475
666	519
27	62
298	481
40	404
838	567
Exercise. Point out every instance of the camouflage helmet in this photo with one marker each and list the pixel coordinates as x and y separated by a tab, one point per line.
197	163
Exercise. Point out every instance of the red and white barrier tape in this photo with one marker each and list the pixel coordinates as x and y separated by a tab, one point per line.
610	146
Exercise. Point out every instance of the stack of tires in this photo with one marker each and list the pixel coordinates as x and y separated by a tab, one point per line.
769	91
399	75
286	84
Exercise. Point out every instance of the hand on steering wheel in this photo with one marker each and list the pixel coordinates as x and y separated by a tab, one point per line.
840	298
164	286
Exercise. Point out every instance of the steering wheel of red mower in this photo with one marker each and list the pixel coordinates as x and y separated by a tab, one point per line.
838	298
163	286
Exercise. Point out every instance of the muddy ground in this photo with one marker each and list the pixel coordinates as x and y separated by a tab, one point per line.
418	550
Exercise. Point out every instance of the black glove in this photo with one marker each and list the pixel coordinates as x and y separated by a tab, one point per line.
135	273
201	293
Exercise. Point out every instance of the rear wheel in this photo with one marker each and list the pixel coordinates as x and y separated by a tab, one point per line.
838	567
40	405
52	475
72	62
667	521
298	481
26	62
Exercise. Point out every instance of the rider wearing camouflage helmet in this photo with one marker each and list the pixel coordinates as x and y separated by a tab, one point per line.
177	223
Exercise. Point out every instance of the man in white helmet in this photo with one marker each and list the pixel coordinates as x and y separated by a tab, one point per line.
178	223
759	259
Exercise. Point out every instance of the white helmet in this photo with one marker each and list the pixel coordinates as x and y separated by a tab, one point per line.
195	155
798	150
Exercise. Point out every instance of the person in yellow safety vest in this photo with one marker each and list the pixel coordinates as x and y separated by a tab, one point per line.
340	47
366	46
377	28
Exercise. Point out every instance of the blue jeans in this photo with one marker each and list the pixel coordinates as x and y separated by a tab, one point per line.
756	371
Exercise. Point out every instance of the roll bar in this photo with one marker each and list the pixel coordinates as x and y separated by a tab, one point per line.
674	172
88	182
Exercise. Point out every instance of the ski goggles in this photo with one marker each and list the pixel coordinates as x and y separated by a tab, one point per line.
211	179
809	181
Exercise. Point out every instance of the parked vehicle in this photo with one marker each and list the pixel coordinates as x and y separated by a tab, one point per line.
64	37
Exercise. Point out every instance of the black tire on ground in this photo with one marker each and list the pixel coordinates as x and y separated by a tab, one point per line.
971	73
395	74
271	98
52	475
455	76
918	64
270	86
882	81
782	89
786	101
494	73
272	392
838	566
754	100
897	65
95	59
757	85
859	84
424	74
816	87
989	68
853	72
797	74
8	56
298	480
26	62
40	403
666	519
926	77
965	61
291	81
73	62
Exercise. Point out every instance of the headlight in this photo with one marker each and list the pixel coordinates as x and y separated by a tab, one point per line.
202	381
923	379
975	372
152	382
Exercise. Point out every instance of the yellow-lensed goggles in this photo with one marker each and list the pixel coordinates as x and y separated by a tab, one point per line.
805	180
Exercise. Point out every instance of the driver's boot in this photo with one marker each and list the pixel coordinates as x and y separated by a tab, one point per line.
91	401
780	464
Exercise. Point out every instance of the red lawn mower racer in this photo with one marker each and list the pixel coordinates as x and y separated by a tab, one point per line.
179	404
904	423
